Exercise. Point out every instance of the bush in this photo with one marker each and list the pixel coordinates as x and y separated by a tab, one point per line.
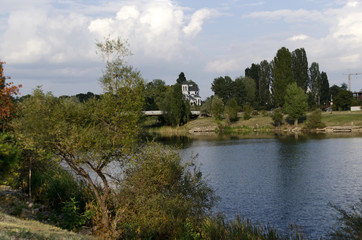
217	107
277	117
53	186
247	111
231	110
9	156
314	120
161	197
73	216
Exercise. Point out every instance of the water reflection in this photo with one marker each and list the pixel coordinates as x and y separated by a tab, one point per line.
281	180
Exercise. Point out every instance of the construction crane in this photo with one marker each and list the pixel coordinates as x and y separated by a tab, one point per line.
349	79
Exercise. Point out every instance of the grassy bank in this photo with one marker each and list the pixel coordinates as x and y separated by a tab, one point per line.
258	123
16	228
342	118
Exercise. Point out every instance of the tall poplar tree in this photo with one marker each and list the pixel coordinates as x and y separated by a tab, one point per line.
325	96
283	75
253	72
315	82
300	68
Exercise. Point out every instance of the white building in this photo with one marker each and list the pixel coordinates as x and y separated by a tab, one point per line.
191	93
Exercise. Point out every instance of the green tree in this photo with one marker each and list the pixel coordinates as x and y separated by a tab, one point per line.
206	108
250	89
325	97
176	111
315	82
296	102
217	107
300	68
254	73
231	110
181	78
283	75
154	94
239	91
83	97
223	87
9	155
90	136
265	79
343	100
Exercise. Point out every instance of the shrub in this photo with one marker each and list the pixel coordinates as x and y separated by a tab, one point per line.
217	107
231	110
73	216
9	156
240	228
247	112
277	117
314	120
162	197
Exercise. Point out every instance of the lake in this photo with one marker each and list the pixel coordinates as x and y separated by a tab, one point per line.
281	180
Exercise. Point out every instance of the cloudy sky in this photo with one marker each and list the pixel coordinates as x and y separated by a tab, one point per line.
52	42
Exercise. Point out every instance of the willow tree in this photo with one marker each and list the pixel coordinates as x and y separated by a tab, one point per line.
90	136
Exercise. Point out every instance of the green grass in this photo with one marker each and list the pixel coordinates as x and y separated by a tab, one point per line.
15	228
342	118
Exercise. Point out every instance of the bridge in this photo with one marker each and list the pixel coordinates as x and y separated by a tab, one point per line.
159	113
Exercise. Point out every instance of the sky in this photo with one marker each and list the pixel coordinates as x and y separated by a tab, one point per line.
52	43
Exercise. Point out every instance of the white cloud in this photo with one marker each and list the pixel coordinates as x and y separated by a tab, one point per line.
196	22
157	28
223	66
44	35
299	37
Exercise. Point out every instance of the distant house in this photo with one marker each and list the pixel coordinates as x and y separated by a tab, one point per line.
358	95
191	93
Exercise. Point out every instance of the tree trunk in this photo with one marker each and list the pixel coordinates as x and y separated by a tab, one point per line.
296	122
102	199
30	162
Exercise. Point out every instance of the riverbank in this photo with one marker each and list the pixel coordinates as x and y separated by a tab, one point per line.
18	219
334	121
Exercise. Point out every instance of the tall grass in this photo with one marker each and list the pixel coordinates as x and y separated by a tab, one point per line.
217	228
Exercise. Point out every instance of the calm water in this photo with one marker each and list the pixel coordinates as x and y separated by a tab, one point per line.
282	181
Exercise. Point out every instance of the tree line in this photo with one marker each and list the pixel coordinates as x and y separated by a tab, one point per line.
264	84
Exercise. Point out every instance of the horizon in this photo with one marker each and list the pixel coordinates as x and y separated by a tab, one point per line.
52	43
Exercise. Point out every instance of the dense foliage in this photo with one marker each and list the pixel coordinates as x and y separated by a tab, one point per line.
296	103
160	194
314	120
283	75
